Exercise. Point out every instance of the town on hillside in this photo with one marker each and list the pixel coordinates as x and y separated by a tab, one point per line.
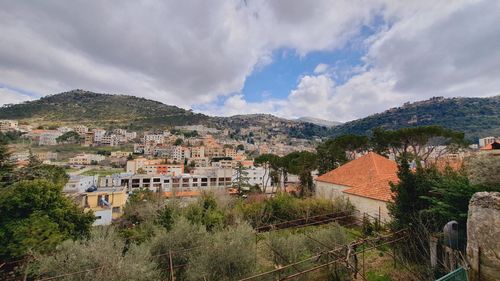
109	170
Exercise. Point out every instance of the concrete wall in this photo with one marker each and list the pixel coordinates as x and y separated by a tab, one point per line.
370	206
363	204
483	236
103	217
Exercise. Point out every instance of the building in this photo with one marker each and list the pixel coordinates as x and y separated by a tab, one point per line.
258	176
180	185
364	181
106	203
88	139
98	135
485	141
48	137
153	167
154	138
120	154
179	153
81	129
79	184
8	125
86	159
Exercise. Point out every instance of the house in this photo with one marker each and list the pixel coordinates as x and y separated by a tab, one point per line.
79	184
86	159
106	203
364	181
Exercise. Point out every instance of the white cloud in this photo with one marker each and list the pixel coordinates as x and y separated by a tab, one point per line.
9	96
320	68
198	52
429	48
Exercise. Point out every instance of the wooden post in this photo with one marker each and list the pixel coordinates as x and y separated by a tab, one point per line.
172	278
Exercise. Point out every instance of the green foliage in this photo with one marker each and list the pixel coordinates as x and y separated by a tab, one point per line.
477	117
224	255
35	216
6	165
302	164
484	170
416	143
283	207
330	156
182	235
36	170
10	136
206	212
103	255
178	141
70	137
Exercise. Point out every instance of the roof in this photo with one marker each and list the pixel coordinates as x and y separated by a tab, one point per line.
491	146
368	176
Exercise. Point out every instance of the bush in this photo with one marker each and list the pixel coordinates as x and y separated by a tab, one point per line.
229	256
102	255
183	237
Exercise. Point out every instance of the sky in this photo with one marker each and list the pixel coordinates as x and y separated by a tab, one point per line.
336	60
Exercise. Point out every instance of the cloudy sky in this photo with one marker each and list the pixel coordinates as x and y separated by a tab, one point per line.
336	60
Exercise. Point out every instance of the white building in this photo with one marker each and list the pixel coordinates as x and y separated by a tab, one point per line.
485	141
98	135
86	159
49	137
79	184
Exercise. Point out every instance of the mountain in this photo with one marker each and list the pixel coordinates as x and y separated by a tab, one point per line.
318	121
134	113
476	117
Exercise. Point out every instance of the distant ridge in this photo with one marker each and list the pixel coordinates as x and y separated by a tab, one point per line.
477	117
319	121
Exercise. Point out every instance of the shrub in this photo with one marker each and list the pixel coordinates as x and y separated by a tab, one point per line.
102	254
230	255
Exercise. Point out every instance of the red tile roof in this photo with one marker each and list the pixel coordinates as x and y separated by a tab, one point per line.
368	176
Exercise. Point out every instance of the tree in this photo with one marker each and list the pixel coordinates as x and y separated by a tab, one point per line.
240	147
240	178
103	254
417	143
303	164
69	137
335	152
178	141
6	166
36	216
230	255
37	170
271	165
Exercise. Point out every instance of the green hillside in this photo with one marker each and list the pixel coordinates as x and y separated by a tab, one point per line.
477	117
83	107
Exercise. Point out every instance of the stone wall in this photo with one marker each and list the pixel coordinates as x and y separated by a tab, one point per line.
483	236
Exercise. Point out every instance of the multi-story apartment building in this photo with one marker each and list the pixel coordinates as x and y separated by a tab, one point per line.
154	138
154	167
120	154
179	185
179	153
109	140
197	152
98	135
81	129
88	139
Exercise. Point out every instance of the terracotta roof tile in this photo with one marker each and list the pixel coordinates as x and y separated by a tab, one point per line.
368	176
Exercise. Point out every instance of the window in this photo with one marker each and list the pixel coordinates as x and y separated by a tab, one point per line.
116	209
146	180
98	217
156	180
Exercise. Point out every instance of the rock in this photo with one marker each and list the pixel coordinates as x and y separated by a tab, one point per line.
483	236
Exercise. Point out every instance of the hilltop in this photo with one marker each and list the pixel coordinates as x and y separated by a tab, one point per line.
105	110
477	117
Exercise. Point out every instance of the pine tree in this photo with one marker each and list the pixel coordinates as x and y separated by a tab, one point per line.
6	166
